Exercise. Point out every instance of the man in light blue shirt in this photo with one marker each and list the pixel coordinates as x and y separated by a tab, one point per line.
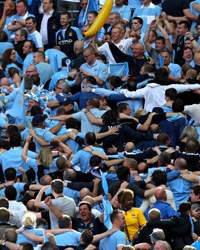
123	10
70	238
94	67
118	238
82	158
13	156
33	34
148	12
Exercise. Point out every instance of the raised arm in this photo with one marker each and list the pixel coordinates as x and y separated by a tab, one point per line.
25	148
39	139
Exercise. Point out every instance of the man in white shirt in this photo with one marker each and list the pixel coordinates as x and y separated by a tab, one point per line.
117	36
17	209
34	35
154	93
48	24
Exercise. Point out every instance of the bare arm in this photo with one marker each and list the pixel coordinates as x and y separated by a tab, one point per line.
177	19
56	211
149	193
165	35
111	131
190	177
145	126
25	148
65	148
33	237
38	199
61	117
93	119
12	246
114	162
39	139
146	41
101	236
56	128
189	15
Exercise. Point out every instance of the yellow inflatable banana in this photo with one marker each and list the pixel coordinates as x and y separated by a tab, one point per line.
100	19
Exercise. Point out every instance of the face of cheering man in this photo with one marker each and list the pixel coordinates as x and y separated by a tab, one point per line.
64	20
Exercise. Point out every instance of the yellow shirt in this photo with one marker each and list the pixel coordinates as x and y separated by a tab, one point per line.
134	221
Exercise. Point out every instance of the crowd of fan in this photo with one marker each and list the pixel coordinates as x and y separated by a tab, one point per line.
76	113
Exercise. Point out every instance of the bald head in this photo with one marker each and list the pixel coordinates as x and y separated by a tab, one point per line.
160	194
180	163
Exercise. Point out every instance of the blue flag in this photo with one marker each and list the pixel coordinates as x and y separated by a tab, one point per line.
106	203
118	69
17	110
91	6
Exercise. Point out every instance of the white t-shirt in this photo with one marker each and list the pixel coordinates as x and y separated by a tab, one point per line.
123	45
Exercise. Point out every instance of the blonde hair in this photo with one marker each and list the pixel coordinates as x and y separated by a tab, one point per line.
45	156
29	220
139	113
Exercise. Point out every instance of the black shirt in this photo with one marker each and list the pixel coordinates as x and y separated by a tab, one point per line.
175	8
96	226
66	42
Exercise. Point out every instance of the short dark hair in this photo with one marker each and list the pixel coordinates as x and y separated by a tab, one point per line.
171	93
3	36
65	221
159	177
90	138
95	13
196	189
10	174
122	106
57	186
187	25
115	81
178	105
95	161
10	193
123	173
138	19
161	38
22	1
15	140
32	45
66	13
4	203
31	18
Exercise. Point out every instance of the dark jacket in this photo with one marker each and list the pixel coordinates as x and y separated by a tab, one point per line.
53	25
